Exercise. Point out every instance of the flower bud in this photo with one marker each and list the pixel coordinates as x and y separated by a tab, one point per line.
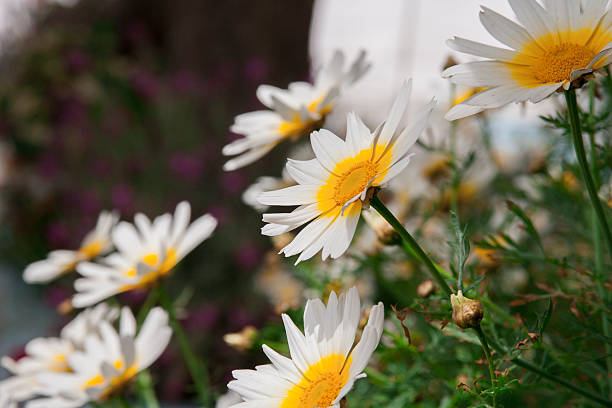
242	340
467	313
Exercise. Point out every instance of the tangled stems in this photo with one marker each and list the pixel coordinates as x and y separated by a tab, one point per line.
487	351
576	130
410	241
197	371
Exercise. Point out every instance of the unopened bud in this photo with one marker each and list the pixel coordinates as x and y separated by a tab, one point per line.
425	289
243	340
384	231
467	313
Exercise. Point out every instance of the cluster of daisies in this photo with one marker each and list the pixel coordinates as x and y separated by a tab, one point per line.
558	45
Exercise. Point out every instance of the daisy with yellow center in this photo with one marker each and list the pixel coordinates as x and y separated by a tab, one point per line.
147	252
324	363
108	362
97	242
333	187
293	113
51	354
557	46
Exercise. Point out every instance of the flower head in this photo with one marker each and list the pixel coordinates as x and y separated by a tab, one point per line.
108	362
334	187
97	242
323	365
294	112
51	354
147	252
558	45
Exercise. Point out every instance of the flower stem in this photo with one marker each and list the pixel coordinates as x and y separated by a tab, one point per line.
146	390
195	366
572	106
487	352
399	228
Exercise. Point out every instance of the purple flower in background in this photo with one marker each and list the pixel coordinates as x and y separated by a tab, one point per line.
186	166
248	256
58	235
219	212
49	165
73	112
256	69
77	61
233	183
122	197
204	317
145	84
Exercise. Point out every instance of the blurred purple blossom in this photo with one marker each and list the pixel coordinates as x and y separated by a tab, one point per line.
220	212
58	235
186	166
77	61
55	295
248	256
204	317
233	182
145	84
122	197
256	69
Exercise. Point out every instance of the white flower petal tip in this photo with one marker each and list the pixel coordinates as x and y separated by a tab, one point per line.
554	46
324	359
332	188
294	112
147	251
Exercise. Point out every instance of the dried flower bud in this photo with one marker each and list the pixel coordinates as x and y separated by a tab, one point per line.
467	313
243	340
384	231
425	289
65	307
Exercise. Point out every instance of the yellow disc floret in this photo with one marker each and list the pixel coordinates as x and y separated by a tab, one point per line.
558	63
350	178
320	385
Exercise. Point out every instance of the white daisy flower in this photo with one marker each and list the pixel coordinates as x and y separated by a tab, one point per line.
323	365
227	400
294	112
262	184
558	44
107	363
147	252
97	242
333	187
51	354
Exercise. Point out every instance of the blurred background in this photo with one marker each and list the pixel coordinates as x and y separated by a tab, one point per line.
126	105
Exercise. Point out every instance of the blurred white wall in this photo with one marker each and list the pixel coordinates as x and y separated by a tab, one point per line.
404	39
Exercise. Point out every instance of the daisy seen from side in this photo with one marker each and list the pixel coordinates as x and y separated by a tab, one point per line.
324	363
59	262
333	187
558	45
108	362
147	251
293	112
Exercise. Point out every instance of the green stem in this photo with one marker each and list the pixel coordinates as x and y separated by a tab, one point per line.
531	367
123	401
195	366
146	390
148	304
572	106
399	228
487	352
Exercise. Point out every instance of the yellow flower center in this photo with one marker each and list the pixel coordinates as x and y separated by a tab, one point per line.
92	250
558	63
320	385
553	57
115	384
59	364
350	178
156	273
296	127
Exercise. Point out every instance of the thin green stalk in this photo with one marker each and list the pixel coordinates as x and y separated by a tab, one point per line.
487	352
585	393
146	390
527	365
195	366
399	228
572	106
148	304
123	401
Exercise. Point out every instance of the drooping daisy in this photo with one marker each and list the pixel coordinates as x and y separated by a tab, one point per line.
556	46
323	365
293	113
333	187
97	242
51	354
107	363
147	252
